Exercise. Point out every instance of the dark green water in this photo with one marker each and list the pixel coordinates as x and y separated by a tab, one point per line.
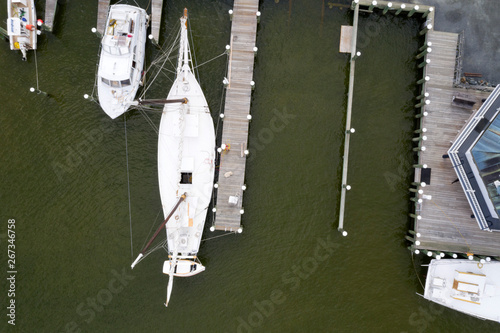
64	181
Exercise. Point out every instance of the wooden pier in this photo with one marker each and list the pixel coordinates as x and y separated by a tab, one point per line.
50	13
102	14
446	223
344	188
156	11
235	124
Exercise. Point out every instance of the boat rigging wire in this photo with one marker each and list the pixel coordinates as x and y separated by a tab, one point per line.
206	62
415	269
128	188
226	234
36	70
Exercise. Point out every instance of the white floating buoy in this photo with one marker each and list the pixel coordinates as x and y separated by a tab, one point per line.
216	185
243	187
240	230
344	233
212	228
246	152
94	30
32	89
249	117
86	96
242	211
214	209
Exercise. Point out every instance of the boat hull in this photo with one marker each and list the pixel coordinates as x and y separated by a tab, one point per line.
122	58
467	286
21	25
183	268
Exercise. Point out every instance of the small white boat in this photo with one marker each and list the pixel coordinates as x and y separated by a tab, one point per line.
122	58
467	286
186	155
21	25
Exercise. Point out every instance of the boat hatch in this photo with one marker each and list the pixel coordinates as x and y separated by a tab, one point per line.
186	177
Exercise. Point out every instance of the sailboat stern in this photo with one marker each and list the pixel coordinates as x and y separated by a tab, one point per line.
183	267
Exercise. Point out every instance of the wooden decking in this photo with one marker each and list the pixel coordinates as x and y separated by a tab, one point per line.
102	13
50	12
156	11
236	110
446	223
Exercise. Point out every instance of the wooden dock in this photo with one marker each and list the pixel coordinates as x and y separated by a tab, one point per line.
50	13
102	14
446	223
343	191
156	11
237	108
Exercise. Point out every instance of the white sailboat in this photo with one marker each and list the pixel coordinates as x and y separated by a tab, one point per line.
467	286
22	25
122	58
186	154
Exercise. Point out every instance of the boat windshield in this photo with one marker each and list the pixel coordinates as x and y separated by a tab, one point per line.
115	83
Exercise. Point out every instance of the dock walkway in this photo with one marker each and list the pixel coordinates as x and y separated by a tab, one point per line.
236	110
50	12
102	15
156	9
446	223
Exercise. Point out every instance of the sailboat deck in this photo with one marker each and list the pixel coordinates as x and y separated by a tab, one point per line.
446	223
237	107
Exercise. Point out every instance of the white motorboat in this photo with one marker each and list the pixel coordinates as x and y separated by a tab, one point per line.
22	25
122	58
467	286
186	155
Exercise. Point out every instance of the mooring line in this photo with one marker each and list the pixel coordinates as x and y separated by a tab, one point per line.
128	188
229	233
36	70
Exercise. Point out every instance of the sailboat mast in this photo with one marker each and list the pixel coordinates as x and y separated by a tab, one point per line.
184	44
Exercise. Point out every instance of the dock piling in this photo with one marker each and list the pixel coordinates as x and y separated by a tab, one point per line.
401	8
427	12
387	7
413	10
424	52
354	4
424	79
373	4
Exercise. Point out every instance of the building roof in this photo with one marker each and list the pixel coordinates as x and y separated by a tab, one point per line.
475	155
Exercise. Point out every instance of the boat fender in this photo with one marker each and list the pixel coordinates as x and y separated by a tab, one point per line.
479	265
30	27
112	22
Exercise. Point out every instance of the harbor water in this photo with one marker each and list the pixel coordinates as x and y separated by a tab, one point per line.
68	172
